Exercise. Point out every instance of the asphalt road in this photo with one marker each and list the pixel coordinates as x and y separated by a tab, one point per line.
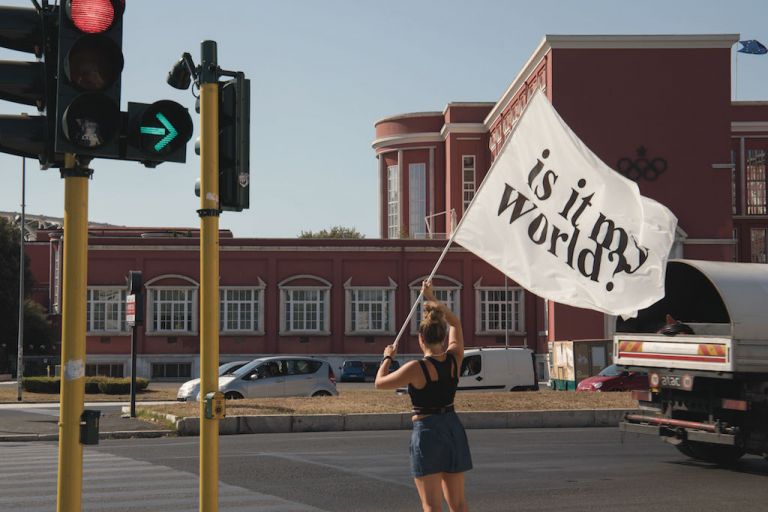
522	470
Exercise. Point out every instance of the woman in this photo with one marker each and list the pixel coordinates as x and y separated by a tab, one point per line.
439	447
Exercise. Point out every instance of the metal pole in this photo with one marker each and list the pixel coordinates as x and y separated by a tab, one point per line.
22	227
209	272
133	370
506	311
75	272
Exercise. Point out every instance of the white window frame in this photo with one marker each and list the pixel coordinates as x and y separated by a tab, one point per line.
90	303
518	320
151	290
453	301
325	304
351	301
256	302
417	200
393	201
468	186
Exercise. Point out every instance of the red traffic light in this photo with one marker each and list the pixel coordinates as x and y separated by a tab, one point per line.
94	16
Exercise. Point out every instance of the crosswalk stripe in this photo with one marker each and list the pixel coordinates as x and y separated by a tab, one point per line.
112	483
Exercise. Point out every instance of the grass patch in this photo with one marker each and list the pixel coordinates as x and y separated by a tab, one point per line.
378	401
8	394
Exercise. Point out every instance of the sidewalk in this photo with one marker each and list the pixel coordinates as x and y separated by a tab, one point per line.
42	424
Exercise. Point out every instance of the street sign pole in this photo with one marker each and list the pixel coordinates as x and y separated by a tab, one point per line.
209	272
130	316
20	344
75	272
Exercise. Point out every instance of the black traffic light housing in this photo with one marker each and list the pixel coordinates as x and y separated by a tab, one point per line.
30	83
90	63
157	132
234	143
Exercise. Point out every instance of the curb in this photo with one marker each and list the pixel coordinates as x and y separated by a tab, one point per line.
118	434
280	424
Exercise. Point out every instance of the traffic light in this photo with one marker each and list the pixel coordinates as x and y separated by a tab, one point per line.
90	62
30	83
157	132
234	143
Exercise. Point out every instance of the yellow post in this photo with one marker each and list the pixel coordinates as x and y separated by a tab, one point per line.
209	276
75	277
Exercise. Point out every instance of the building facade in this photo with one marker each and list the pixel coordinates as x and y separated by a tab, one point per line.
657	109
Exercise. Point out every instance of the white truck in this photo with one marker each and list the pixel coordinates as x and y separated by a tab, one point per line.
708	391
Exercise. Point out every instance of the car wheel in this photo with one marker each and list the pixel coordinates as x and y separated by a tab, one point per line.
715	453
233	395
322	392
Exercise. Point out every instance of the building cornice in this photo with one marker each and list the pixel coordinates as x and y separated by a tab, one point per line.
409	115
641	41
749	126
407	138
449	128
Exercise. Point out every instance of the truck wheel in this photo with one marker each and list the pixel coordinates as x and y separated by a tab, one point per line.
716	453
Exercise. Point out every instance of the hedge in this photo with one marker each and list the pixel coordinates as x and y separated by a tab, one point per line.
93	385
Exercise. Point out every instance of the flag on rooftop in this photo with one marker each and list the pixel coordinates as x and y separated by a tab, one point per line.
561	223
753	46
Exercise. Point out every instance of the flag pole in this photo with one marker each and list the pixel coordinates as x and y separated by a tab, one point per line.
458	226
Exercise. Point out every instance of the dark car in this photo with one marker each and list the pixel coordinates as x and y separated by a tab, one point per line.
614	378
352	371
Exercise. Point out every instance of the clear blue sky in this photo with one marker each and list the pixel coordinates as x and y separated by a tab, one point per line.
322	72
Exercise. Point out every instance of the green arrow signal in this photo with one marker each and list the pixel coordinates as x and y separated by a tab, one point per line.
169	132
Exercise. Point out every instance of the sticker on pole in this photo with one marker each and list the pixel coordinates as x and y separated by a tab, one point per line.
130	310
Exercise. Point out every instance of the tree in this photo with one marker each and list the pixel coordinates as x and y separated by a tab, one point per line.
334	232
9	286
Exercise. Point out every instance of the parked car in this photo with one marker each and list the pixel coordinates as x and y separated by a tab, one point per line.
352	371
280	376
614	378
498	369
363	371
191	389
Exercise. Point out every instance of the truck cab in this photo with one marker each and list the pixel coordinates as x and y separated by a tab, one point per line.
708	382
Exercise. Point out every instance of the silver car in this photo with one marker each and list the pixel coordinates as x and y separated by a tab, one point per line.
280	376
190	390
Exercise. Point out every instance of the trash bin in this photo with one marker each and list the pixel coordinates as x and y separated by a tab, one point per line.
89	427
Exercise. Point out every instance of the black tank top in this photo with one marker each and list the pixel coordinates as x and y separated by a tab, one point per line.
436	393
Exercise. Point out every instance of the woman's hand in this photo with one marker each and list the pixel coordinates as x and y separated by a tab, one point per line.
390	351
426	290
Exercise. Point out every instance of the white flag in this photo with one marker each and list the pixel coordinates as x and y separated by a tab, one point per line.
564	225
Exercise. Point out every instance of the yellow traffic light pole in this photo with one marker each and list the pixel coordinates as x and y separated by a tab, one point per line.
209	273
72	394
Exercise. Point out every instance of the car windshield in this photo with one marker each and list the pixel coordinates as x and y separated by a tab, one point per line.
247	367
353	364
610	371
230	368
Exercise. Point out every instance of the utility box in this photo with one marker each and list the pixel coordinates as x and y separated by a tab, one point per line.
574	360
214	407
89	427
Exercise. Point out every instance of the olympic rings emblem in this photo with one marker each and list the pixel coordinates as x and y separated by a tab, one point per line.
641	167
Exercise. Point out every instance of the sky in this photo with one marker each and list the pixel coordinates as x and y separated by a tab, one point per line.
322	73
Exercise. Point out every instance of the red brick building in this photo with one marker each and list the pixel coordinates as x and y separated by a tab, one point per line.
658	108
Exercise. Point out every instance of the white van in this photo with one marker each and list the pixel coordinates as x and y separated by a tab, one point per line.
498	369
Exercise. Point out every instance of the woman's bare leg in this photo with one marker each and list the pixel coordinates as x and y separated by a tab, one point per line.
429	492
453	490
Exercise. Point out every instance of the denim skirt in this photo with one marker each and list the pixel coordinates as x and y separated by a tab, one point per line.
439	445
